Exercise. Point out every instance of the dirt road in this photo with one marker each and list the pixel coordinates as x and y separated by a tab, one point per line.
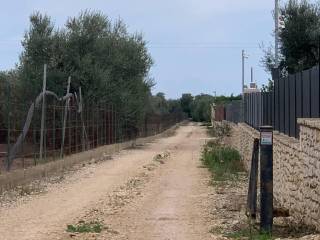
157	191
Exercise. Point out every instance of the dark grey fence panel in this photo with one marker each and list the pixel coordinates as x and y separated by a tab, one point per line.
266	108
234	111
299	99
259	110
256	110
245	109
286	106
270	108
281	105
315	92
264	105
276	102
292	106
306	90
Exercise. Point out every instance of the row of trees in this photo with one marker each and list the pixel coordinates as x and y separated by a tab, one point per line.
199	107
299	37
108	63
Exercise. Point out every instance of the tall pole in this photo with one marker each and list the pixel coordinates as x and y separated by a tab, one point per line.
43	110
276	33
244	56
251	74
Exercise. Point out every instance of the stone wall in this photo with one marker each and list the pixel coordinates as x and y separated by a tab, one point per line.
296	168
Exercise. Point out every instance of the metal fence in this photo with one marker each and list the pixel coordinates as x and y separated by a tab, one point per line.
293	97
234	111
258	109
96	125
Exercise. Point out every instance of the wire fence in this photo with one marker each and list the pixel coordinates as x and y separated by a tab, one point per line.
68	131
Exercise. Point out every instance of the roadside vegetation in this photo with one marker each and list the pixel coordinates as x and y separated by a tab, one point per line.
223	161
198	107
108	62
228	175
84	227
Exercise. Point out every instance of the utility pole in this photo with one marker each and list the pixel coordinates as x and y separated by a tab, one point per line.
276	33
251	74
244	56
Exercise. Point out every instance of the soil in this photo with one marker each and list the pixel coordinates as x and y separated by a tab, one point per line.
156	191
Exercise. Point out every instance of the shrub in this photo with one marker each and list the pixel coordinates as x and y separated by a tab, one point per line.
223	161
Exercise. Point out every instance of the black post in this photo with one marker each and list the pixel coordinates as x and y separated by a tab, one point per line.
266	178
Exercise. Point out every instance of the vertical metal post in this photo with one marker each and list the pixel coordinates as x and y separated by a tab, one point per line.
82	121
276	33
114	119
69	124
242	72
76	131
54	132
43	109
34	135
98	119
266	178
65	119
109	124
105	123
8	163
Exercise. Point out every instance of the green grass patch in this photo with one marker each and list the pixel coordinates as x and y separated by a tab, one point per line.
83	227
223	161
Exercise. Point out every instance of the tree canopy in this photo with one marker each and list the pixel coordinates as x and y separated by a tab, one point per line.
299	37
109	63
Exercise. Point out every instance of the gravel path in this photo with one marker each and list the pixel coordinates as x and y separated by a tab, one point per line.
154	192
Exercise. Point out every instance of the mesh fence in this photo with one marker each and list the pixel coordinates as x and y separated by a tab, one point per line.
68	131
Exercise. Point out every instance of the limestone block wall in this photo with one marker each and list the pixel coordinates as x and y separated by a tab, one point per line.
296	168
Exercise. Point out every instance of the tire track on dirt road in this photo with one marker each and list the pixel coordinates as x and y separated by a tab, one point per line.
172	204
175	204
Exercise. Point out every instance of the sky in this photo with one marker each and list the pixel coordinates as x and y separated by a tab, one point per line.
195	44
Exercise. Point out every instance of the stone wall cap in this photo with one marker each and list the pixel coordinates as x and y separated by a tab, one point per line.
309	122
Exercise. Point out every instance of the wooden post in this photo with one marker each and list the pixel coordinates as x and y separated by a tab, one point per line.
65	119
43	110
252	190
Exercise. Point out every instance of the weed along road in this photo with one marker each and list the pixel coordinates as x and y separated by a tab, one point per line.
155	191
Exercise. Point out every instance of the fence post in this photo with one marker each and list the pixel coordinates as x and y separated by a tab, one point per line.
65	118
8	164
54	131
252	190
266	178
43	109
81	107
